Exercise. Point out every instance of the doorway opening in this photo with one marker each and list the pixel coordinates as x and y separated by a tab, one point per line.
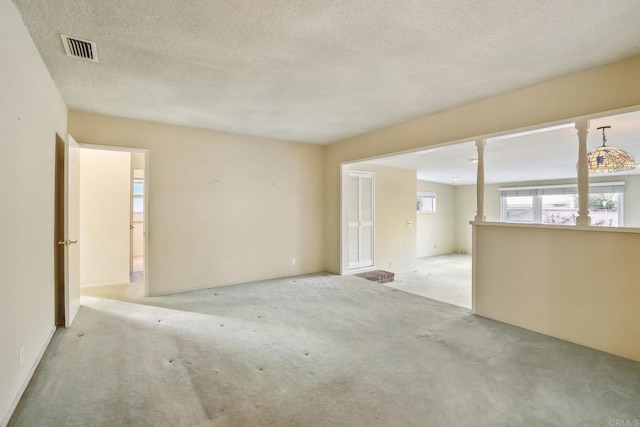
137	223
113	221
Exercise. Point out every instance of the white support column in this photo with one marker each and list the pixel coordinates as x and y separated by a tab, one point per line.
583	175
480	143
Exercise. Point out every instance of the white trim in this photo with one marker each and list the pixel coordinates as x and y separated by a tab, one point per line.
533	131
94	285
428	195
542	187
363	174
344	224
358	270
630	230
145	215
27	380
113	148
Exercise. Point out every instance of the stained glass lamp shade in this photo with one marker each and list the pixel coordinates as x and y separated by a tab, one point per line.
606	159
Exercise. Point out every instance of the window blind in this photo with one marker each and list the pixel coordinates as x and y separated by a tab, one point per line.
596	187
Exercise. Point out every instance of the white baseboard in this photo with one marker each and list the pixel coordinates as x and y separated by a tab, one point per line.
14	405
94	285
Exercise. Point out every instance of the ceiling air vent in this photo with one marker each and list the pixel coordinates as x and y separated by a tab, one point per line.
80	48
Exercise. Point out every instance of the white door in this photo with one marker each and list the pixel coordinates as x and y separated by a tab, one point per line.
71	230
361	219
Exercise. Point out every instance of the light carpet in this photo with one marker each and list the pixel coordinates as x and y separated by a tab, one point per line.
316	350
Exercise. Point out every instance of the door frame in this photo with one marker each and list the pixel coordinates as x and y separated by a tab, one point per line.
71	229
145	241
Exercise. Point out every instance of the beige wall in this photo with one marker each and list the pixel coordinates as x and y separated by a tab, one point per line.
223	208
395	205
105	198
31	113
466	208
436	232
576	285
594	91
253	203
138	161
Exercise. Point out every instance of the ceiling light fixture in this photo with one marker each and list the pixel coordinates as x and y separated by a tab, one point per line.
455	178
607	159
473	160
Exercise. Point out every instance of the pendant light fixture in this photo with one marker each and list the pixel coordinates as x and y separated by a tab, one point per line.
607	159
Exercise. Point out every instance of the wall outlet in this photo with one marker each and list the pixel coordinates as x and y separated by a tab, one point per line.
21	355
293	261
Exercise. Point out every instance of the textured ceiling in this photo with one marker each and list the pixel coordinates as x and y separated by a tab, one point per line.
545	154
318	70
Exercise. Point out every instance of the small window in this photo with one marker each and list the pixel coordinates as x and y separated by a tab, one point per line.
138	195
138	187
426	203
518	209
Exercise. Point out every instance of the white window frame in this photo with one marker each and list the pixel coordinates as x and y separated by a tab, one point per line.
137	196
427	195
538	191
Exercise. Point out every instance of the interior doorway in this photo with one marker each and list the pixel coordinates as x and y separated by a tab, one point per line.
137	218
113	219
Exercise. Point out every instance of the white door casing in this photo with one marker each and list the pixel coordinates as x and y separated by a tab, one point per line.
71	230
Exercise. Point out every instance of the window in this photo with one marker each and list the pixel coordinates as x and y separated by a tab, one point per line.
426	203
558	204
138	195
518	209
